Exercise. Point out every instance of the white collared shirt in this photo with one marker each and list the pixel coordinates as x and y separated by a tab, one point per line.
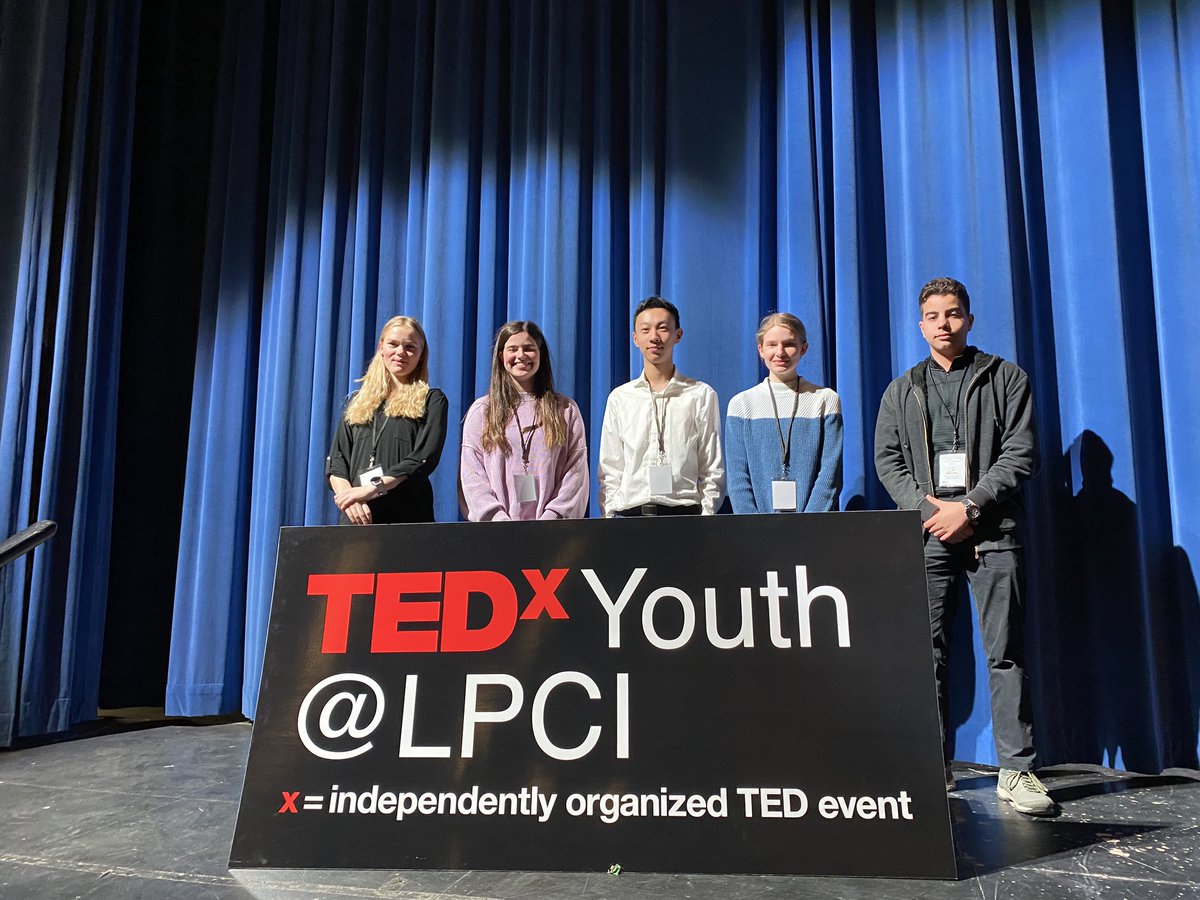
691	445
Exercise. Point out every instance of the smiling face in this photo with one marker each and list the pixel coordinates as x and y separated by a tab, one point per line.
781	350
520	357
401	348
655	334
945	324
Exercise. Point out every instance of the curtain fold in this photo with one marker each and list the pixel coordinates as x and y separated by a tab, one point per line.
208	639
1167	38
470	162
59	427
29	43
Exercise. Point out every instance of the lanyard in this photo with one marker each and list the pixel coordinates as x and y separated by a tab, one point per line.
660	424
375	436
526	442
785	446
953	414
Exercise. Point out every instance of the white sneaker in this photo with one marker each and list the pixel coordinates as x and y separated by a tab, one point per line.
1025	792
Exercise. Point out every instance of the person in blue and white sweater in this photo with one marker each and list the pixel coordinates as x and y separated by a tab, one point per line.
783	437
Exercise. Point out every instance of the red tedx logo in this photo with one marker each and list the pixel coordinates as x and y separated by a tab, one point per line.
390	593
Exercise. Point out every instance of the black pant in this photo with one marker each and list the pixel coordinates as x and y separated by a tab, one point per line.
998	586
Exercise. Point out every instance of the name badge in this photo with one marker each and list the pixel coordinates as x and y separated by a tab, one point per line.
367	478
662	483
783	496
952	470
526	488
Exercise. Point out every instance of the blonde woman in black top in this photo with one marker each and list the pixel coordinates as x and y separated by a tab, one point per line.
391	434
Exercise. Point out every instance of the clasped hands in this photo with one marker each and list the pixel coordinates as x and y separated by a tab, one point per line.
949	521
353	502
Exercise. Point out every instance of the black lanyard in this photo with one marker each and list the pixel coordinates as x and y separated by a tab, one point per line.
660	424
376	435
785	446
526	443
952	413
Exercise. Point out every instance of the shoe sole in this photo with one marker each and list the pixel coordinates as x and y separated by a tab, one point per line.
1029	811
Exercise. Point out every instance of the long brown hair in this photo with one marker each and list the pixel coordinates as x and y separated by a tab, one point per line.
504	396
401	398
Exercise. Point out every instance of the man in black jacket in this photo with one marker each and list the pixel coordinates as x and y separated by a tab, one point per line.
955	440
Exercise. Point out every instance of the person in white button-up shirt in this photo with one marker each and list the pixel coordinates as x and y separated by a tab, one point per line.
660	445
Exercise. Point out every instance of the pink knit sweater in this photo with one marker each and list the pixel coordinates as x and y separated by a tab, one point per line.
487	488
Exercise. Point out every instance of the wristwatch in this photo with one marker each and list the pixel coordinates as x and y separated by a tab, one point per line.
378	482
972	509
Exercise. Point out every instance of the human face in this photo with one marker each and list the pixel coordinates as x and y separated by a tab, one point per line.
521	358
781	351
655	335
401	349
945	325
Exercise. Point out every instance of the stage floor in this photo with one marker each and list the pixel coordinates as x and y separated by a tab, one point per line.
150	813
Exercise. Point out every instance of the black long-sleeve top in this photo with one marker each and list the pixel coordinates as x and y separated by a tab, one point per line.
401	446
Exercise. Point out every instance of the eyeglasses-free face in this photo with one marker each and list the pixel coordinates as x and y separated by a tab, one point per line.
945	325
401	350
655	334
781	351
520	357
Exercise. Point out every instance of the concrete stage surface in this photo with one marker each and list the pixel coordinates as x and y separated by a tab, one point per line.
120	811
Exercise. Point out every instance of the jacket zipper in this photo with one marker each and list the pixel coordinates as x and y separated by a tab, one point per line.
967	425
925	434
967	432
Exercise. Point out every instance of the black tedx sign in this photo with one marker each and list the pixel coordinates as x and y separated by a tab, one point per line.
727	694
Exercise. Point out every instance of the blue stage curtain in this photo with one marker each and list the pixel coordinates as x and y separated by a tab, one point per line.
213	555
67	73
470	162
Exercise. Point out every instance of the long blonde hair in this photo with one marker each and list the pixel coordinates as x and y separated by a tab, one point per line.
400	398
504	396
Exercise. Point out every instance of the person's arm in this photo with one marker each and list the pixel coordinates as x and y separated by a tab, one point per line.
480	501
890	464
737	464
1017	461
337	471
828	483
711	465
346	498
571	496
612	461
337	463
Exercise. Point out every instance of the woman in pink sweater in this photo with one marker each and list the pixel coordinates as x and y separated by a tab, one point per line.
524	455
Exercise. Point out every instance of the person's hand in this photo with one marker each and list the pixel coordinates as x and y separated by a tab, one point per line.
949	521
361	494
358	514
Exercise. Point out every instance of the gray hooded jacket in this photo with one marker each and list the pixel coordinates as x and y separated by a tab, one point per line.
1000	444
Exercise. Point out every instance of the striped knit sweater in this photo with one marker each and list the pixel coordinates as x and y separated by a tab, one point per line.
754	457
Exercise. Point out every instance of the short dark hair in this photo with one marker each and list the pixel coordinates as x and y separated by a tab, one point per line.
949	286
656	302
